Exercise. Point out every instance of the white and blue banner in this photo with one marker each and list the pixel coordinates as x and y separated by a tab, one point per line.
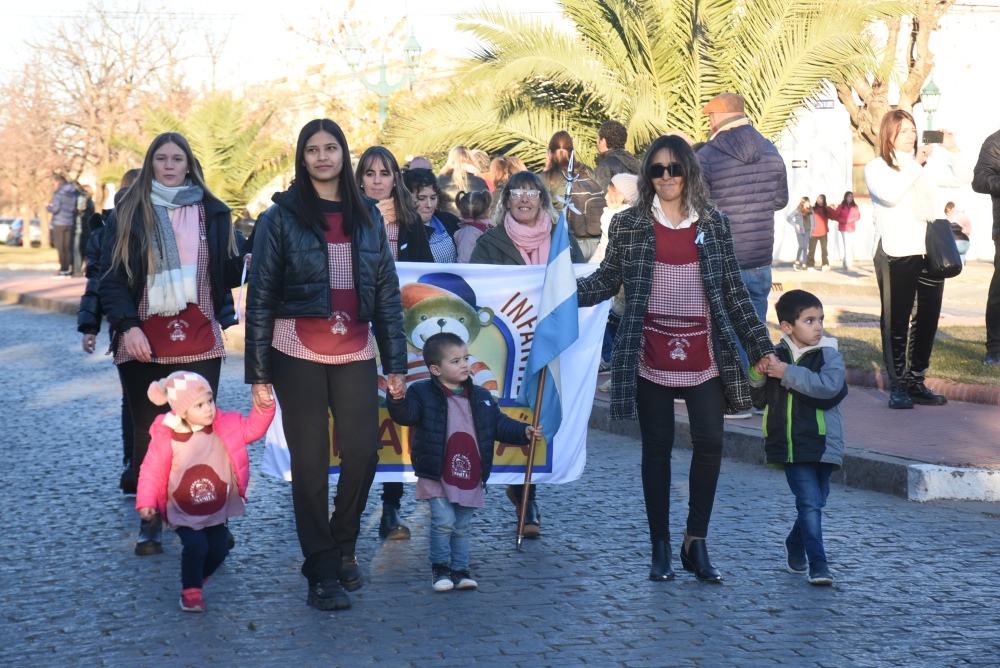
502	313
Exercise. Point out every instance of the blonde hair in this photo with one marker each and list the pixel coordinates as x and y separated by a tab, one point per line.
138	200
458	158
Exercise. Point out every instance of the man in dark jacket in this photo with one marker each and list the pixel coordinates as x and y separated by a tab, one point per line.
63	210
612	158
986	179
746	178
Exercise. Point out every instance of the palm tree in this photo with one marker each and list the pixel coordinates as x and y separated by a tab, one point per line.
651	64
237	157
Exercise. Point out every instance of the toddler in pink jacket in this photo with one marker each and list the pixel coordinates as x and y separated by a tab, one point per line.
195	474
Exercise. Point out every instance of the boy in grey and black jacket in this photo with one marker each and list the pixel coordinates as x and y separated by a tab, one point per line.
803	425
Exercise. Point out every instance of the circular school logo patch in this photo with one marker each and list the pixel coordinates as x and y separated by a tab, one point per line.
201	491
461	466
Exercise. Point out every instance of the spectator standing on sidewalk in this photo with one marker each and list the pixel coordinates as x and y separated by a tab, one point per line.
612	158
800	218
899	181
81	232
986	180
820	233
169	261
63	210
745	176
847	216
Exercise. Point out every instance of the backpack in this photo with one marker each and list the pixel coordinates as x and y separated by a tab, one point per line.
587	198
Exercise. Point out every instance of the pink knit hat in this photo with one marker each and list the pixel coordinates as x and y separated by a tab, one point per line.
181	389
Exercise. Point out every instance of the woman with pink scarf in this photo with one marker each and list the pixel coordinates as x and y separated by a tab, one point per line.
523	220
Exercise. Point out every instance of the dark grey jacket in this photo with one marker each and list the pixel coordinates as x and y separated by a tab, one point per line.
986	176
615	161
425	407
290	278
63	207
746	179
630	258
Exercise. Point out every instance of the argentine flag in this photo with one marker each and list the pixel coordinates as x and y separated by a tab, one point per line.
558	327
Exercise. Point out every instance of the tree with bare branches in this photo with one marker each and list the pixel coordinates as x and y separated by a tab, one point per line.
867	97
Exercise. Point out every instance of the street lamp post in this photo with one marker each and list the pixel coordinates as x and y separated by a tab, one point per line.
411	53
930	97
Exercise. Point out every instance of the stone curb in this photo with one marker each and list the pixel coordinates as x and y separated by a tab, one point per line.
905	478
44	266
822	288
972	394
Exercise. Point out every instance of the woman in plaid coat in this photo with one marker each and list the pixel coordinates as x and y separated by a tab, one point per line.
686	305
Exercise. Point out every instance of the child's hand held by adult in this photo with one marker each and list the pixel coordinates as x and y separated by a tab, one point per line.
262	397
397	385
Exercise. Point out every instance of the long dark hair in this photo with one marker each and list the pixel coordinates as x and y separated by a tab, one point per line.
406	206
138	199
695	193
304	192
844	202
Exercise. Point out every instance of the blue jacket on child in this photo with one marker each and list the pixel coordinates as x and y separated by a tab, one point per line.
802	418
425	407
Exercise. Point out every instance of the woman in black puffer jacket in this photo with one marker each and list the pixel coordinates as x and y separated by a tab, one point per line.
322	271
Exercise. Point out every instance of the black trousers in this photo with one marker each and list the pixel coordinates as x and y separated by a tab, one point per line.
136	378
128	429
308	392
392	494
993	305
63	237
810	261
706	405
202	552
911	306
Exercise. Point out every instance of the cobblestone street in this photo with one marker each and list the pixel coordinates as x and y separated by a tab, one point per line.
915	584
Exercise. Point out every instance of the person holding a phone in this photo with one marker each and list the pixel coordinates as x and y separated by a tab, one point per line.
899	181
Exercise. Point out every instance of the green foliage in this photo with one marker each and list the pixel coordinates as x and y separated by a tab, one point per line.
239	159
651	64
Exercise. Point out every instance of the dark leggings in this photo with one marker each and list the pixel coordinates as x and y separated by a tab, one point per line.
706	405
203	552
911	305
392	494
136	378
308	392
128	429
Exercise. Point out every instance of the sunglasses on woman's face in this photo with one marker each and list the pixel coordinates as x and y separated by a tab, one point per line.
519	193
673	170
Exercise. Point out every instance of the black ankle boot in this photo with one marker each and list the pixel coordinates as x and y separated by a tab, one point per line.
696	561
919	394
389	526
899	397
127	480
661	568
150	537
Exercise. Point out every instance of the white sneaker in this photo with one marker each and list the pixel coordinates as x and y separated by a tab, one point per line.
744	415
678	400
605	386
462	580
441	581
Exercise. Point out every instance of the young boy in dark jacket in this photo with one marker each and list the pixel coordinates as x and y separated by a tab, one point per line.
457	423
803	426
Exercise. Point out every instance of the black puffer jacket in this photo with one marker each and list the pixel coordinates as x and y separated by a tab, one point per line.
425	407
986	176
746	178
120	298
413	244
88	318
290	278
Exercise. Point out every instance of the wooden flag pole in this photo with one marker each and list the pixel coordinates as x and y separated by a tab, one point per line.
526	490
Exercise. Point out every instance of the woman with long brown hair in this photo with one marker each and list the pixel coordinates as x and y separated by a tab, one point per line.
899	182
169	261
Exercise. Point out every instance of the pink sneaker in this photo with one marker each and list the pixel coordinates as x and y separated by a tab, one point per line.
192	601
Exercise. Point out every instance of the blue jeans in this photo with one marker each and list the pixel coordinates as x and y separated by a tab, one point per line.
810	483
758	282
450	533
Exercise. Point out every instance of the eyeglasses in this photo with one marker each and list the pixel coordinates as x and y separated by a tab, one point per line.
520	193
673	170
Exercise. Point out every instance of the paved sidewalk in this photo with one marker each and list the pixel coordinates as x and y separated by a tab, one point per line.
946	452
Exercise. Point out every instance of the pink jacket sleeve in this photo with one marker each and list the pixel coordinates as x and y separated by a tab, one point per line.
154	475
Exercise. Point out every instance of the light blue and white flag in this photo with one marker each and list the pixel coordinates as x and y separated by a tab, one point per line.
558	327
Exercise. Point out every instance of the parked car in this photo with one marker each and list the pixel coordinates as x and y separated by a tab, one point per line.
5	228
16	235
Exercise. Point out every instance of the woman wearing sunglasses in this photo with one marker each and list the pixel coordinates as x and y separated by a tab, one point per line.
523	223
685	308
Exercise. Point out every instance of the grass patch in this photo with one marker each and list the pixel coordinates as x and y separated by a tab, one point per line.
29	255
958	352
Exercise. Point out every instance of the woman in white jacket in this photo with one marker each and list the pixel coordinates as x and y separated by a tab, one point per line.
900	182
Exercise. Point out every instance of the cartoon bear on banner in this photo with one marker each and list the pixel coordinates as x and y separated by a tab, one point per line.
442	303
